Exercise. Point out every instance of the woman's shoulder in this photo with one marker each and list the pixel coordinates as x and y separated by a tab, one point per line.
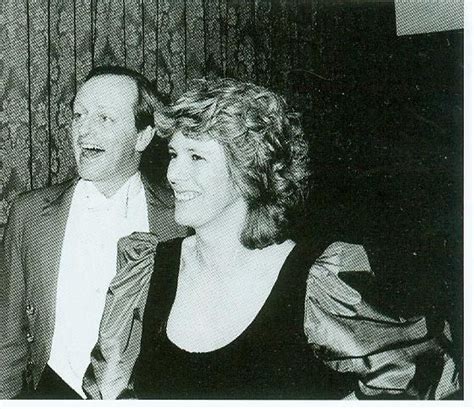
325	277
137	253
136	246
139	246
334	302
351	333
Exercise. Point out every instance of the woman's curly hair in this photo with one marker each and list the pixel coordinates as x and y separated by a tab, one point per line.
267	155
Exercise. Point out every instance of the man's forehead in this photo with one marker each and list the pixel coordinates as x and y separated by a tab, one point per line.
108	90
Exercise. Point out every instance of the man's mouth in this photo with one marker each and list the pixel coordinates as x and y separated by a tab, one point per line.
91	151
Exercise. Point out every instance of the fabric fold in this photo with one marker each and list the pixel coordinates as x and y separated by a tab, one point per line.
391	355
112	359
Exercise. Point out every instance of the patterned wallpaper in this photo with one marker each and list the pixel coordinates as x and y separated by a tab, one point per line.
51	45
383	113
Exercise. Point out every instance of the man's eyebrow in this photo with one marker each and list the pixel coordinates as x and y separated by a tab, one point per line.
99	107
106	106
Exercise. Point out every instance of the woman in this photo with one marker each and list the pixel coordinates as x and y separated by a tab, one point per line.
238	310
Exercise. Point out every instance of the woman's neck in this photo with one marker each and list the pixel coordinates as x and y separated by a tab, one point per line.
217	244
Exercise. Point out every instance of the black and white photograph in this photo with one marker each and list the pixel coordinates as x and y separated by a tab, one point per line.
233	200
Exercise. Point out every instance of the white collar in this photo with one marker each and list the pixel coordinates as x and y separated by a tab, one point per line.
96	200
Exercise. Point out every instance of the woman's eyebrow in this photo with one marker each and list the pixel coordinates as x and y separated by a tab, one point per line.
199	150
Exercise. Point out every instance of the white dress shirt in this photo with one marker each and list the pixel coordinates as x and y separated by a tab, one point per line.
87	266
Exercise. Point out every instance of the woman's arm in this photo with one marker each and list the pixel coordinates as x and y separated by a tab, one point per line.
113	357
392	356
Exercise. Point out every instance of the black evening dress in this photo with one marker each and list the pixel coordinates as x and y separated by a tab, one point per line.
316	337
270	359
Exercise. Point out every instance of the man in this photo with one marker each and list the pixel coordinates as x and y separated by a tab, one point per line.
61	241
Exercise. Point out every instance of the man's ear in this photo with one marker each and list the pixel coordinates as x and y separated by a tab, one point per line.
144	138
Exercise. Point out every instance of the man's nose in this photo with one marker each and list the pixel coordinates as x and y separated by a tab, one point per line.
84	127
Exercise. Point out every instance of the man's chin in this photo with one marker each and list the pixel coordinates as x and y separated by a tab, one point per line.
90	175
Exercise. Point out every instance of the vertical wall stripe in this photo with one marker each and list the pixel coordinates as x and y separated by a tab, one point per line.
157	39
124	33
142	8
50	139
30	116
226	38
185	20
206	34
221	48
92	32
75	45
255	40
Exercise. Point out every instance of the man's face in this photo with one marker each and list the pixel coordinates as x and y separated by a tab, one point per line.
103	129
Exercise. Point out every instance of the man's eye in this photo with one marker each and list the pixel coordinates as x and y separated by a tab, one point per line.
76	115
105	118
172	155
196	157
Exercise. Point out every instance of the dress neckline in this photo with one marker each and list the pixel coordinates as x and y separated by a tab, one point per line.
277	287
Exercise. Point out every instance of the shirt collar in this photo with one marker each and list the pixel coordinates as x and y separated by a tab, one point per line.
93	199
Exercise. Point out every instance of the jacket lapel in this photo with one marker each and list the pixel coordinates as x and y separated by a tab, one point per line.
43	258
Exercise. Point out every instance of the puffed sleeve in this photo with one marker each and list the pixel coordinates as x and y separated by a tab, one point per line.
114	355
391	355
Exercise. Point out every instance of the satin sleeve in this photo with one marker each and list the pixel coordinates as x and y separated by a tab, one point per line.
113	357
392	356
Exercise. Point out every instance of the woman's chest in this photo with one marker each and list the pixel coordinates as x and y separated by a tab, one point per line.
206	316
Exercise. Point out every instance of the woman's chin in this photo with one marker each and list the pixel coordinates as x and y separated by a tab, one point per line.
185	220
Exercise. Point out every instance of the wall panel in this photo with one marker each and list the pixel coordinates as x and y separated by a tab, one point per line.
109	32
15	175
62	84
172	33
195	40
40	56
150	22
84	46
134	42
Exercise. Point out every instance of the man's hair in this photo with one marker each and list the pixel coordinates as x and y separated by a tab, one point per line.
267	155
148	100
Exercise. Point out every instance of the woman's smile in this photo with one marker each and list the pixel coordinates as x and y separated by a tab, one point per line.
185	196
199	177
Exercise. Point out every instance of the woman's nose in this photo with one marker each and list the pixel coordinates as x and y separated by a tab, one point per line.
178	170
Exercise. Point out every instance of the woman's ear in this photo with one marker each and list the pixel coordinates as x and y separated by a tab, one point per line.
144	138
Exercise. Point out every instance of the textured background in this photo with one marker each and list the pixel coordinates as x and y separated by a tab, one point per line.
383	113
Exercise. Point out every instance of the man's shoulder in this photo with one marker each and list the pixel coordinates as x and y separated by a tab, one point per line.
40	196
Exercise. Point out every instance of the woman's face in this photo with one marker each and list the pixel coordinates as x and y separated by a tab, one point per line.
204	192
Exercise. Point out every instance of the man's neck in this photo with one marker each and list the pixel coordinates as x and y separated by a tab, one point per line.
110	187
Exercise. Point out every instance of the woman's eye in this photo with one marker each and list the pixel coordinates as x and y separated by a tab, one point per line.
172	155
196	157
76	115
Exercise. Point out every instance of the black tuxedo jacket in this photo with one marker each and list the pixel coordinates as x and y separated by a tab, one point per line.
32	243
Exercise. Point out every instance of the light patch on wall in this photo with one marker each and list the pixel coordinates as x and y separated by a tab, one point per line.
427	16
